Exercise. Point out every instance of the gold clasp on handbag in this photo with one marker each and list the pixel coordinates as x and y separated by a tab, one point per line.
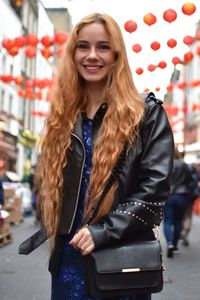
130	270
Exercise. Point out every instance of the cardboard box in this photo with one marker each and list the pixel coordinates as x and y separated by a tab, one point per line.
4	227
9	192
15	214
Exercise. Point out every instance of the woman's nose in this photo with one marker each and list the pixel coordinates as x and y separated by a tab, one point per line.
93	53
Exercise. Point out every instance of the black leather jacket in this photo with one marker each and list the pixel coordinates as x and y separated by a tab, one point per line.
143	183
181	178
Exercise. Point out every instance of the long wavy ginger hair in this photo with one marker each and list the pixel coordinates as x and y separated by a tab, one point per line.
69	99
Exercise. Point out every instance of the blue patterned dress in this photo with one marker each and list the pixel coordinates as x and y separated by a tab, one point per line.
69	284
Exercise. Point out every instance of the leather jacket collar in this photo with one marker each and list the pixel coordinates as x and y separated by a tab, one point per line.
97	120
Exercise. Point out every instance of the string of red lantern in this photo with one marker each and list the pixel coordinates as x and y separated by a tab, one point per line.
31	41
188	57
169	15
20	80
175	110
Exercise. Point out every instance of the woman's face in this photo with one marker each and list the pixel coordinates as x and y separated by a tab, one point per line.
93	55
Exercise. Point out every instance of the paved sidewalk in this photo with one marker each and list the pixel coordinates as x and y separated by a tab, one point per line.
182	274
26	277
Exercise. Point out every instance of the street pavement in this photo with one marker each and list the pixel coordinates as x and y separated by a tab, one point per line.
26	277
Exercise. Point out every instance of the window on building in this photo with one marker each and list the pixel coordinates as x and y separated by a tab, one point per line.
2	99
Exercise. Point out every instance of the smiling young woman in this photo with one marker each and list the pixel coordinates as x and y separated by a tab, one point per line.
95	111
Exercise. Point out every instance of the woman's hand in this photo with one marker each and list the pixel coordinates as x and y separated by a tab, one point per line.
83	241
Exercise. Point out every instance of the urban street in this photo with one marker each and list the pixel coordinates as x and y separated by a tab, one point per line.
100	126
26	277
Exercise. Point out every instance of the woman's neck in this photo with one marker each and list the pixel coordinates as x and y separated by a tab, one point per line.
95	99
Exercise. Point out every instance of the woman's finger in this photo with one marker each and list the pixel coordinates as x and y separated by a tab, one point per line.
88	250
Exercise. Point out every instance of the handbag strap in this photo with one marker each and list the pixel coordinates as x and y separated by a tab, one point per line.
109	183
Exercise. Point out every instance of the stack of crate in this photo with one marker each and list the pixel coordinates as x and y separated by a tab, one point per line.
13	204
5	232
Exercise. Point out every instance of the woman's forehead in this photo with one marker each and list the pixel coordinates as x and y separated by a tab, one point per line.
94	31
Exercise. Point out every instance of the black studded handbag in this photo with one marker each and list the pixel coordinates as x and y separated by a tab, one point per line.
125	268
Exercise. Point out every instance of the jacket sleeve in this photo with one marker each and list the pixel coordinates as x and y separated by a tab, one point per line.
143	209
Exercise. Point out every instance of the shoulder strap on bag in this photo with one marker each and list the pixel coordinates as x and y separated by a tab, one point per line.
111	180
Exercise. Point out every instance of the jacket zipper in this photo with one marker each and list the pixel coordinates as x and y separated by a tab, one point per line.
79	186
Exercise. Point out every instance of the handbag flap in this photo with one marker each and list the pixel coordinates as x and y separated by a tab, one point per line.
135	256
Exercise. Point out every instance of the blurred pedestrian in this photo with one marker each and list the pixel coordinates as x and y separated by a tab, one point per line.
1	194
2	178
194	193
96	112
34	193
176	203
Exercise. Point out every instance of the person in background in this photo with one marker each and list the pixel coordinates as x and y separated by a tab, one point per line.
96	112
34	193
175	206
1	194
194	193
2	178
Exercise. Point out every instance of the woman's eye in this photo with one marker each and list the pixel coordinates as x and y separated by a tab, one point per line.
104	47
82	46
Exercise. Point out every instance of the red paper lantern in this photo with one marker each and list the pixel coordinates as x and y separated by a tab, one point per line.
29	83
157	89
198	36
20	41
30	93
38	95
155	46
182	85
60	37
130	26
188	56
188	8
194	106
162	64
188	40
41	84
21	93
176	60
149	19
46	52
169	15
19	80
198	50
39	113
7	44
170	88
30	52
171	43
18	3
6	78
13	51
195	83
32	39
46	41
151	67
139	71
136	48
